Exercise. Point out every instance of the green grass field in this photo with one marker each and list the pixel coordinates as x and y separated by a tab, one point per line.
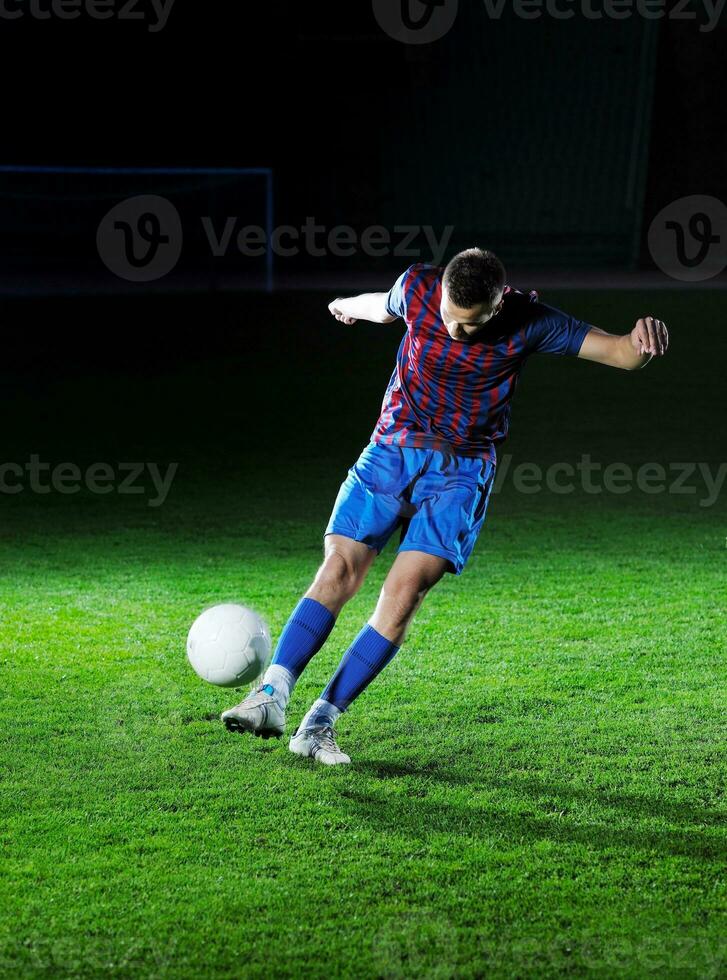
538	776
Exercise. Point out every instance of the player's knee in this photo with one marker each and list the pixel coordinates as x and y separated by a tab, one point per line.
338	575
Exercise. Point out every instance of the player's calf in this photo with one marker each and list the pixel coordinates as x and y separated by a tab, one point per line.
410	578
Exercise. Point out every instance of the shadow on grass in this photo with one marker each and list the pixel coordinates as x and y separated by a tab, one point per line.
419	817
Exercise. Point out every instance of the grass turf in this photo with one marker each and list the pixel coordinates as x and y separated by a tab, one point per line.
537	778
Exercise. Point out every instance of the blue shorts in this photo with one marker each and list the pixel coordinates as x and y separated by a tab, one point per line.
437	499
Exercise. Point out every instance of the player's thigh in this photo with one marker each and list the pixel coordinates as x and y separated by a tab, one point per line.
451	501
369	506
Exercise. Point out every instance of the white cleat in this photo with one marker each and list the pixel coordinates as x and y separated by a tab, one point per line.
318	743
260	714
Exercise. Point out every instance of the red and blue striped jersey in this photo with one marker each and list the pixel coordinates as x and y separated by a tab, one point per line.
455	395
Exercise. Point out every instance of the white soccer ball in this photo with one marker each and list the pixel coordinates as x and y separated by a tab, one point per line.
229	645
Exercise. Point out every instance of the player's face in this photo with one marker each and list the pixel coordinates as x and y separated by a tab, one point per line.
463	324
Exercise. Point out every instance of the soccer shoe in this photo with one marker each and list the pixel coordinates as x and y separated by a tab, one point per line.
260	714
318	743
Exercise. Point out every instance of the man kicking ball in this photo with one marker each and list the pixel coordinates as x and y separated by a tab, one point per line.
427	470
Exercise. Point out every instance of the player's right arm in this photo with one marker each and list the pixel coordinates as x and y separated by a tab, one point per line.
367	306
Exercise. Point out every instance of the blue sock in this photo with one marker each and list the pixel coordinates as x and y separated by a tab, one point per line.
367	656
303	635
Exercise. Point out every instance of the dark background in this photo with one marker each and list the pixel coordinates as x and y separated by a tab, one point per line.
554	142
317	92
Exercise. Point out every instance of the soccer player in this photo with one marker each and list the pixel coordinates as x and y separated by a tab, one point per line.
428	470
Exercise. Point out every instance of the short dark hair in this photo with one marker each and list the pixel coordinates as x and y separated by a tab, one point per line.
474	276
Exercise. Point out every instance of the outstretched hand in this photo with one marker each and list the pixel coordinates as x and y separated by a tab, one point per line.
650	336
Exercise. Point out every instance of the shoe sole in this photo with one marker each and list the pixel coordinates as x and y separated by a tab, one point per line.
235	725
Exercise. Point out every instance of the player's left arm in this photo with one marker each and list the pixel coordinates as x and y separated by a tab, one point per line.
630	351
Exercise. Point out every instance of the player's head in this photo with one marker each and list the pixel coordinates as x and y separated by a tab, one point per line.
472	291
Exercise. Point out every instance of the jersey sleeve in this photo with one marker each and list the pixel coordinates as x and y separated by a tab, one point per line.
396	300
553	332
